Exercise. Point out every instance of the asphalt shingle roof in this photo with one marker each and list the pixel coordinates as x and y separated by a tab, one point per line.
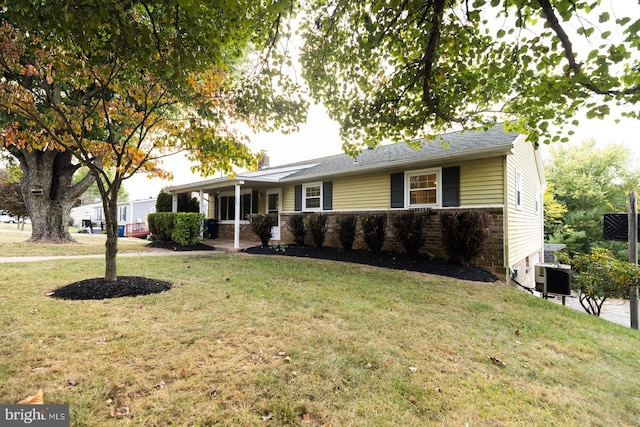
446	145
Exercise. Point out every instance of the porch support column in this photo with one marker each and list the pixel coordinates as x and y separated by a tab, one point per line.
202	212
174	203
236	223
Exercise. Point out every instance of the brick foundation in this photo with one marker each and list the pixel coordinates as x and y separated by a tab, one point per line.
492	259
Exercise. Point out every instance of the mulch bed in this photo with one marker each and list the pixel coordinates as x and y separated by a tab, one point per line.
394	260
125	286
98	288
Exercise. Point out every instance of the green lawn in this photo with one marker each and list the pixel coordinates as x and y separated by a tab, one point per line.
246	341
12	244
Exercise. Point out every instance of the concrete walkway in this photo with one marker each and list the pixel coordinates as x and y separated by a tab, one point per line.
613	310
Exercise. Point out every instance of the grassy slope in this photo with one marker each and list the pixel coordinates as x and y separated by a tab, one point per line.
303	342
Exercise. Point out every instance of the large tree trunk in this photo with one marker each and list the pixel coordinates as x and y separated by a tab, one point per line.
49	193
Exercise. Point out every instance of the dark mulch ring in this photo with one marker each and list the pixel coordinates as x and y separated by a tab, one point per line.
173	246
99	288
394	260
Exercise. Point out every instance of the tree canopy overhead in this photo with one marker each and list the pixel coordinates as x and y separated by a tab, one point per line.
400	69
115	86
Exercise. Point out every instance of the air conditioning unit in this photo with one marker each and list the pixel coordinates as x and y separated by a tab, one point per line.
553	279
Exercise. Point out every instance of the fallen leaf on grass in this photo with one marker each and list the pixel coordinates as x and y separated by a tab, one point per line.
413	369
368	365
497	361
120	412
159	386
267	417
36	399
102	340
412	399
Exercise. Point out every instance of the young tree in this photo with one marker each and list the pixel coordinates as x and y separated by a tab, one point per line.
135	82
598	276
397	68
588	182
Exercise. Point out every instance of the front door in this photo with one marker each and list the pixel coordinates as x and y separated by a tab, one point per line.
274	207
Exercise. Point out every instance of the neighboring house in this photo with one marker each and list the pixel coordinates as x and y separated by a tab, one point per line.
132	215
494	171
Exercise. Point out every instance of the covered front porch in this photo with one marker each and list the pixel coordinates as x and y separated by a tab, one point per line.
230	201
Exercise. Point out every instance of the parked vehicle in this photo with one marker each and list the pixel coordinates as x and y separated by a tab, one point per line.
5	216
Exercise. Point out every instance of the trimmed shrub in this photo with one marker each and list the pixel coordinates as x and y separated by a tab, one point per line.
346	229
261	225
317	226
187	228
161	225
373	228
464	234
408	229
296	225
164	202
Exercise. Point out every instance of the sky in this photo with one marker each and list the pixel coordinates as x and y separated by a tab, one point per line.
319	137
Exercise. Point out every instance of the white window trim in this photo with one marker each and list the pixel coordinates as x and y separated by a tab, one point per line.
407	187
519	201
243	192
304	196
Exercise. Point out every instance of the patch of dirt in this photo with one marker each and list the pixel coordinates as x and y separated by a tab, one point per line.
393	260
98	288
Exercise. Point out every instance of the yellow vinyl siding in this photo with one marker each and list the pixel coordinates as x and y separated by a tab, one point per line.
482	182
362	192
288	198
524	224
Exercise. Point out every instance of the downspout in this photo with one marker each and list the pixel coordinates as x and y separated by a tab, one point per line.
505	218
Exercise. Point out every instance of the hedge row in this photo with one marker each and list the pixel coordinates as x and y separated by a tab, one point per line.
184	228
464	233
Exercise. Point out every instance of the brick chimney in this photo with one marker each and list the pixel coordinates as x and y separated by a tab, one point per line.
263	163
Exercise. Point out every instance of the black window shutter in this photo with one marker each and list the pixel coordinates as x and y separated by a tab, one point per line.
254	201
297	203
451	186
397	190
327	195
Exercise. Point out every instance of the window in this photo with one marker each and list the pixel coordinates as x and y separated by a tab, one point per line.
423	188
228	207
518	190
122	214
312	197
538	201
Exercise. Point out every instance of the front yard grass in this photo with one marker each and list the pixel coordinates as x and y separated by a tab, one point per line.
13	244
266	341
